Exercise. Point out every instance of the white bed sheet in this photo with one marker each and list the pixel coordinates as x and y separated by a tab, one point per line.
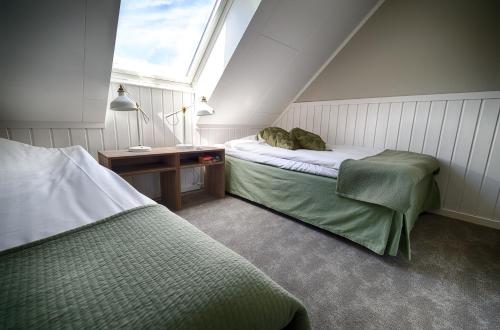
283	163
325	163
47	191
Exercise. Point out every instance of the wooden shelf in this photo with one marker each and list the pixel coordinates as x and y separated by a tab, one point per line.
197	164
143	169
168	162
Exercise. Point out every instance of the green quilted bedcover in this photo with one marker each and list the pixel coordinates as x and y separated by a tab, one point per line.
313	199
143	268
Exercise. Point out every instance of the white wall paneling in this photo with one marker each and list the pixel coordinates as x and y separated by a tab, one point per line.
120	132
460	130
219	135
4	133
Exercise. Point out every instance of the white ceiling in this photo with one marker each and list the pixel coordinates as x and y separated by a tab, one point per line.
56	58
285	44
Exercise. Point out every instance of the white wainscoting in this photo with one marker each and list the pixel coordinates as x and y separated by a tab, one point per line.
213	134
120	132
461	130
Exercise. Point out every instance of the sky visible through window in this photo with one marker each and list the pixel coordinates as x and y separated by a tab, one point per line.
159	37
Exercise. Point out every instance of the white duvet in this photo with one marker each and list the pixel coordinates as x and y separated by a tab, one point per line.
46	191
324	163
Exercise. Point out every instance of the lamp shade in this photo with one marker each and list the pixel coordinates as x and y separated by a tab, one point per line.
122	102
203	108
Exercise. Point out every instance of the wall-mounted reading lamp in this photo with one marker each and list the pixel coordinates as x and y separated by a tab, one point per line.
124	103
201	109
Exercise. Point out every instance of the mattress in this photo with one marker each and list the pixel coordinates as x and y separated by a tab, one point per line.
323	163
46	191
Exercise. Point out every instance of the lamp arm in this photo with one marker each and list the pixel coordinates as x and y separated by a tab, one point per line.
144	115
173	113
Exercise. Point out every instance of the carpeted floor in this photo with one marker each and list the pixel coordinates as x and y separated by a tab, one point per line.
452	282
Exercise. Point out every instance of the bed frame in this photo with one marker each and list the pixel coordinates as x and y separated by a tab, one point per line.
312	199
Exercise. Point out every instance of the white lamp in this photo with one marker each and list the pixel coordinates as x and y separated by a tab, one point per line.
202	109
124	103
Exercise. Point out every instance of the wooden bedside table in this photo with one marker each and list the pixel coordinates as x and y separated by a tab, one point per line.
168	162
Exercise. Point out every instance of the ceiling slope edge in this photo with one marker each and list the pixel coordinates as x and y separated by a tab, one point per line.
279	55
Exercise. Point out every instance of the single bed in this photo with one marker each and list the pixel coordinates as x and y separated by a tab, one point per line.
303	185
83	249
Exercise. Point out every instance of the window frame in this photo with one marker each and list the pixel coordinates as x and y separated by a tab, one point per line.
203	49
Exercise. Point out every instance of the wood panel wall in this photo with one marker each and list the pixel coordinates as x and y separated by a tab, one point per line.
461	130
120	132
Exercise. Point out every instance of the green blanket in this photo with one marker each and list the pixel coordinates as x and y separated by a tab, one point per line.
143	268
388	178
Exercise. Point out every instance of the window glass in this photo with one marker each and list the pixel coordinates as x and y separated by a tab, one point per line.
160	38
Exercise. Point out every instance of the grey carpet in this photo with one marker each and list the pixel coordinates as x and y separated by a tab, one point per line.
452	282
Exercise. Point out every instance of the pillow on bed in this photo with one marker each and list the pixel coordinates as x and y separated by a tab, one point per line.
277	137
307	140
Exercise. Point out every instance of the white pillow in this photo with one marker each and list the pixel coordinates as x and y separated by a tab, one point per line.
247	139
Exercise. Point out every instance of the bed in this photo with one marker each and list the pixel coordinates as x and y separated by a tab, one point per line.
80	248
304	185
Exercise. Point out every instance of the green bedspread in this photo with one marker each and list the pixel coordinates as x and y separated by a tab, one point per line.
143	268
312	199
388	178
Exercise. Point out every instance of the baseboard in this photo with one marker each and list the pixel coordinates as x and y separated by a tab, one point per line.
468	218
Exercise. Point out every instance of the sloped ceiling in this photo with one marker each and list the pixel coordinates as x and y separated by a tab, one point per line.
56	60
285	44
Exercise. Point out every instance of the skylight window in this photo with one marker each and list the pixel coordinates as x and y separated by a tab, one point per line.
163	38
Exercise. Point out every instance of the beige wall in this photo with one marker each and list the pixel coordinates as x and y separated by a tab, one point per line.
412	47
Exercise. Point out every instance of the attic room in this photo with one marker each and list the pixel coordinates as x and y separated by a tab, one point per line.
250	164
